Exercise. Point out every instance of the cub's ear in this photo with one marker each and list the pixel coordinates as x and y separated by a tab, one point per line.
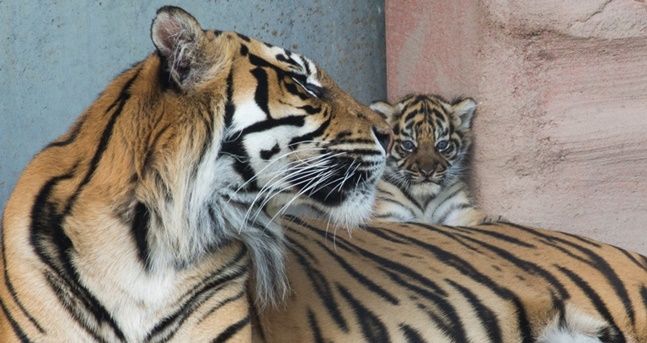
386	110
181	42
464	113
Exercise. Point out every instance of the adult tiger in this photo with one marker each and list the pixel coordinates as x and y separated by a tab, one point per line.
405	282
137	224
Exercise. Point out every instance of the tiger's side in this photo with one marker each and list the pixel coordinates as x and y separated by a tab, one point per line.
406	282
146	220
424	179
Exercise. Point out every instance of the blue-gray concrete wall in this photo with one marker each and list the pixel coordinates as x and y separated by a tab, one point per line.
56	56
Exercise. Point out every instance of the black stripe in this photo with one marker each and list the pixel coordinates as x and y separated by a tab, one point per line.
523	265
314	327
564	250
67	298
53	226
473	273
70	138
294	142
46	228
232	330
610	275
448	319
240	161
381	234
498	236
323	290
120	102
301	248
230	108
261	94
454	238
222	303
244	50
399	185
286	59
581	239
643	296
487	317
149	154
199	294
410	334
243	37
14	325
265	125
267	154
595	298
9	284
447	212
362	152
372	327
598	263
139	231
310	109
361	278
186	310
447	198
632	258
384	262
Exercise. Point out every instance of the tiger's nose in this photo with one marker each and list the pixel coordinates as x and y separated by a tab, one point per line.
384	136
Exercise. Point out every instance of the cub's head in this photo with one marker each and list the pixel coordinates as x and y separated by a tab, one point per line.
432	138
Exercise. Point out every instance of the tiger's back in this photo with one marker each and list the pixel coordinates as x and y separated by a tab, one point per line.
404	282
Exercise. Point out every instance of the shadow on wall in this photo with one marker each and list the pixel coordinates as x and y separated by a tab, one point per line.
55	60
561	129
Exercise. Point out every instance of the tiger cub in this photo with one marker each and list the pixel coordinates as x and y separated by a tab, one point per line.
423	180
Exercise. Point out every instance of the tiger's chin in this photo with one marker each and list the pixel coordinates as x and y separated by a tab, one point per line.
353	209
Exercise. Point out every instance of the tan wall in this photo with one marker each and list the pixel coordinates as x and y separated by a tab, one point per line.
561	130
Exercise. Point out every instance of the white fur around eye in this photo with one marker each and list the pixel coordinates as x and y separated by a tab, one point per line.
306	88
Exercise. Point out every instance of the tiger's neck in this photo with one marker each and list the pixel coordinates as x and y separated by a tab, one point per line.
106	238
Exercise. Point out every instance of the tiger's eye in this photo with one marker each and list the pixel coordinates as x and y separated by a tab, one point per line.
442	145
407	146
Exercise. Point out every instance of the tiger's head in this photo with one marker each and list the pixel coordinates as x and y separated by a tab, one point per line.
185	151
432	138
278	132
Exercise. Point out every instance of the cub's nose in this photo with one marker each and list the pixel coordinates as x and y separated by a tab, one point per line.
384	136
427	169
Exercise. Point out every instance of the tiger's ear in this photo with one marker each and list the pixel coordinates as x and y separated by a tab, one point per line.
386	110
180	41
464	113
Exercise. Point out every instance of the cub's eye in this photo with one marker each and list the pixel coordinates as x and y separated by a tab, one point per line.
407	146
442	145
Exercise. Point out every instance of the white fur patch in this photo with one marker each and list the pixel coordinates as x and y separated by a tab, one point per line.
577	327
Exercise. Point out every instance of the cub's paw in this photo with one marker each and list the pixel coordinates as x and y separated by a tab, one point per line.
493	219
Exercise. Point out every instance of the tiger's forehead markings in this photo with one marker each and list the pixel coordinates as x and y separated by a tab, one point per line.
301	65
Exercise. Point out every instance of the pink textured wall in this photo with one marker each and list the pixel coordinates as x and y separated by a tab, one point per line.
561	130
